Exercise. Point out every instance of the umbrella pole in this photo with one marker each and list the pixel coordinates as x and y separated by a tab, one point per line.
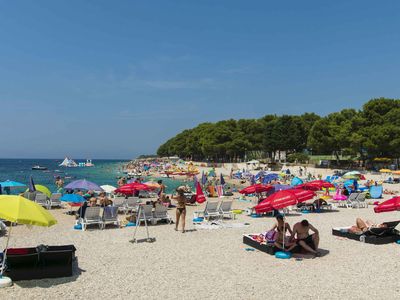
5	251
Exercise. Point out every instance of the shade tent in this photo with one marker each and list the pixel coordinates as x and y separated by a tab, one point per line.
296	181
388	205
283	199
83	184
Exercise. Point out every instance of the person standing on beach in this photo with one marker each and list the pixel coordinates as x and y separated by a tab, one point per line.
180	208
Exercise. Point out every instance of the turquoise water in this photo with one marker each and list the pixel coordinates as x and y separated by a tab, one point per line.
104	172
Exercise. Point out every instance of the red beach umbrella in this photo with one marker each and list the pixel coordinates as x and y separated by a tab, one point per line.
131	188
256	188
315	185
388	205
283	199
200	198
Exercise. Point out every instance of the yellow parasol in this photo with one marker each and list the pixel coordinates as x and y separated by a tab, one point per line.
18	209
385	171
43	189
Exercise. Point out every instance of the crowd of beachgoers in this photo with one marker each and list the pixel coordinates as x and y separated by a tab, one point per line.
236	206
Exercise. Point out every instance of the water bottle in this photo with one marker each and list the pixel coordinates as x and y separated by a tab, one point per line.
362	238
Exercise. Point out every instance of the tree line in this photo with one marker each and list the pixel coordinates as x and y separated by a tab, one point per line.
371	132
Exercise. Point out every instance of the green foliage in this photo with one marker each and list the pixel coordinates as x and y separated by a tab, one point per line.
371	132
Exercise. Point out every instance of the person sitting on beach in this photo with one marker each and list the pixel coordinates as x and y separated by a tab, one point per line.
307	241
103	200
281	240
363	226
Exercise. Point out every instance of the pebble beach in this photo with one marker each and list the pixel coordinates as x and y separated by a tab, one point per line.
210	264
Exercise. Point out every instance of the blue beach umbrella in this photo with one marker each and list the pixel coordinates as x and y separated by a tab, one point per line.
270	177
195	180
72	198
222	180
12	184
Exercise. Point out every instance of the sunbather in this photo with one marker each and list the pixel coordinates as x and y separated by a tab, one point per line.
363	226
282	241
180	207
307	241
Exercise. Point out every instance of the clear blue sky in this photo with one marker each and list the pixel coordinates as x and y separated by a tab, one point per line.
113	79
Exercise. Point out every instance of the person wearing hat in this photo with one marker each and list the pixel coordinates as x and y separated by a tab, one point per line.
180	207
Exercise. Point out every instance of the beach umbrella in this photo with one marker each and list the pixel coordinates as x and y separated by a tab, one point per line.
389	205
43	189
222	179
108	188
315	185
12	184
256	188
83	184
283	199
18	209
31	185
72	198
152	185
200	198
385	171
397	172
131	188
195	180
280	187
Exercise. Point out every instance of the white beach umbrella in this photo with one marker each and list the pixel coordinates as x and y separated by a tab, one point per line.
108	188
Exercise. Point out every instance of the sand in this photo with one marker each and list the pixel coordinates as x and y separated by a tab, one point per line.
211	264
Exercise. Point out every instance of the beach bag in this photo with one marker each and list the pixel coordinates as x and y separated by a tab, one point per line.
270	236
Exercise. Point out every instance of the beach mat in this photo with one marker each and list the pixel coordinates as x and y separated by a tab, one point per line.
369	239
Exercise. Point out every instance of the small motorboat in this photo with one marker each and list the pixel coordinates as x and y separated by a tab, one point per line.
39	168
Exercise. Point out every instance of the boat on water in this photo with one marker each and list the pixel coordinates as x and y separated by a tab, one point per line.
39	168
68	163
88	163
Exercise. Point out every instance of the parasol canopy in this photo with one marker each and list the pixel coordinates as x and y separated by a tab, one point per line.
83	184
131	188
256	188
283	199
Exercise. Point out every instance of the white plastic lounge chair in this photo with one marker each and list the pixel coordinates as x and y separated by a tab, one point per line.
351	200
110	215
161	213
360	201
55	200
93	215
225	209
211	210
148	214
120	203
41	199
131	203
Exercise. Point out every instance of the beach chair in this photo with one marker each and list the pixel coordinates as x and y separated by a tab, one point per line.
110	215
93	215
131	203
360	201
351	200
161	213
211	210
225	209
119	203
148	214
30	195
41	199
54	200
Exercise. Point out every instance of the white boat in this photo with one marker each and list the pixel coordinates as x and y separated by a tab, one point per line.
39	168
68	162
89	163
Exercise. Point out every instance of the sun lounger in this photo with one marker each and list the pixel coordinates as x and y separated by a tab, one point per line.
351	200
360	201
110	215
148	214
211	210
93	215
41	199
225	209
377	236
161	213
55	200
131	203
120	203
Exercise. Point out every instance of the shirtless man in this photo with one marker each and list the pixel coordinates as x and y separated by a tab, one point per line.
304	239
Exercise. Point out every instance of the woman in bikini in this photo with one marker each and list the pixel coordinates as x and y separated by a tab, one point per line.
180	207
363	226
282	242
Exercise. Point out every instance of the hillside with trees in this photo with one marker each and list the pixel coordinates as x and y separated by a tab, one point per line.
371	132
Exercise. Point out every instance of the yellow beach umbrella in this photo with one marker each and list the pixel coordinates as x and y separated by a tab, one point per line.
18	209
43	189
385	171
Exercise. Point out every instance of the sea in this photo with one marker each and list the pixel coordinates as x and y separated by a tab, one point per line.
103	172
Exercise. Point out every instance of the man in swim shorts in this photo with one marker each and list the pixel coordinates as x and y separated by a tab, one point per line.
304	239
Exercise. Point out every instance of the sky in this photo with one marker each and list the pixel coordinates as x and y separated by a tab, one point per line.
115	79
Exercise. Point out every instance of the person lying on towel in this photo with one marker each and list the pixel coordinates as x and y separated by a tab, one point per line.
363	226
309	242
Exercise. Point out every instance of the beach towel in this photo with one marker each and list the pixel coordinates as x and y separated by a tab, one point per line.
220	191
